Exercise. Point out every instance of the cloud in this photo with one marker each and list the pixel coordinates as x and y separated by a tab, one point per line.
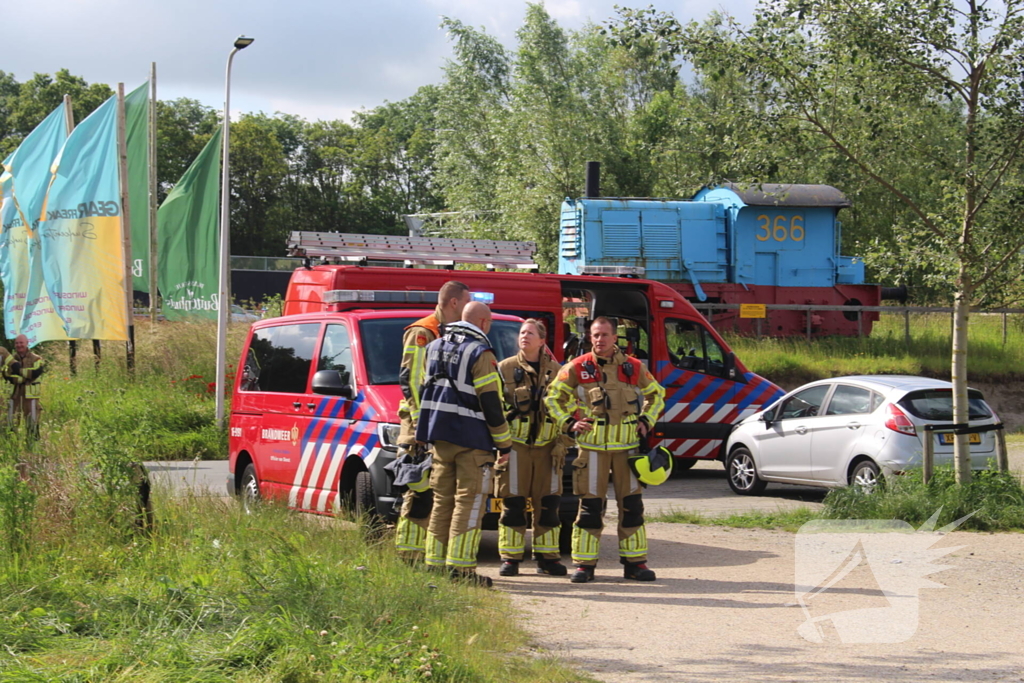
315	56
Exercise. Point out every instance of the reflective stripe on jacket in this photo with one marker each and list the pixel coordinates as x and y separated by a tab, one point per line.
410	378
524	390
615	394
460	368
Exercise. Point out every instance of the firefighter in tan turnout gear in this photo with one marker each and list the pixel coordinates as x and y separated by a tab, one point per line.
461	415
411	530
23	369
620	401
533	471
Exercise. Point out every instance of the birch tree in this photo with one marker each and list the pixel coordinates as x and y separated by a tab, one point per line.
867	76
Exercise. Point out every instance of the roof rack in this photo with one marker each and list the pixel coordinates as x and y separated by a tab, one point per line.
417	250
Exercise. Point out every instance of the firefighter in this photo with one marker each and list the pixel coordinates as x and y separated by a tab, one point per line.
23	369
411	531
619	401
533	470
461	416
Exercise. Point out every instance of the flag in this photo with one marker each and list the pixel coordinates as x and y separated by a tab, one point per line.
28	309
187	228
136	121
80	231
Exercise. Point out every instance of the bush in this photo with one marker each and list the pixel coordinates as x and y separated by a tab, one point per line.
993	500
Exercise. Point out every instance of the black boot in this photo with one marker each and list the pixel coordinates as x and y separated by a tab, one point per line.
583	574
638	571
551	567
509	568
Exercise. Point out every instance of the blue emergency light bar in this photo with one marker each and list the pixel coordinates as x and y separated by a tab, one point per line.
483	297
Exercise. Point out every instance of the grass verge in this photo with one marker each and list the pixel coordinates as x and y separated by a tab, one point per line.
213	594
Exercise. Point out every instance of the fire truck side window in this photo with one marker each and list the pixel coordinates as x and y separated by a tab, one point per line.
336	352
691	347
280	358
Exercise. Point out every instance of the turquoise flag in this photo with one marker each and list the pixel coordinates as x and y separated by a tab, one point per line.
136	121
80	229
28	309
187	221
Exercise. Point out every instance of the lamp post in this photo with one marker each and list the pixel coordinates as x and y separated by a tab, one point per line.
223	304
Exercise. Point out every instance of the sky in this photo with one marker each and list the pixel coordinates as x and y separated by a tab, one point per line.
318	59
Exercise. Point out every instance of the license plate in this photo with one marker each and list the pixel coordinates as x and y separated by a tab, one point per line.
494	505
950	438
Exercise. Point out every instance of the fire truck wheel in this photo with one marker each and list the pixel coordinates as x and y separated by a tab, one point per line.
364	498
250	490
682	465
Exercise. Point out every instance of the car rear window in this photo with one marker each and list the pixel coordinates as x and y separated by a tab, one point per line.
937	404
382	345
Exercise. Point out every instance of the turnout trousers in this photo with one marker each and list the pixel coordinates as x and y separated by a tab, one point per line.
531	476
411	529
461	479
590	483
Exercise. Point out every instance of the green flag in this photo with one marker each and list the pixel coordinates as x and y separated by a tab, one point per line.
187	228
136	120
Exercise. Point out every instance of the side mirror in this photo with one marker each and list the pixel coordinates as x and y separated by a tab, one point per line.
768	417
332	383
730	365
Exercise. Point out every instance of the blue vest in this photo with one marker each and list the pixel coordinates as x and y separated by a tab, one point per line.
449	407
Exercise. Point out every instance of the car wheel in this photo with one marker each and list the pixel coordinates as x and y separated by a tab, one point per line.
865	476
742	473
250	491
682	465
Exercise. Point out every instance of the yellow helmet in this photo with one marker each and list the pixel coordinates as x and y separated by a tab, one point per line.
653	467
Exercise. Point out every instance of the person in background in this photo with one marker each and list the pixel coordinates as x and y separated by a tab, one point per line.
23	369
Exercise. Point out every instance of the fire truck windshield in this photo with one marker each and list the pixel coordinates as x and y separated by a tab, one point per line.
382	345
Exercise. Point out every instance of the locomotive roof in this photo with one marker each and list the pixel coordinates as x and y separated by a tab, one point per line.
779	194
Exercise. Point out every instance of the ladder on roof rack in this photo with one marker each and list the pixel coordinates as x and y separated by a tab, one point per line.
429	250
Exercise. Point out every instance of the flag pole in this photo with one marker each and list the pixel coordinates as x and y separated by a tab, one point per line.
69	124
126	231
152	194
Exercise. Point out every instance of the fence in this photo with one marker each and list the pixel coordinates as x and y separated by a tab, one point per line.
709	310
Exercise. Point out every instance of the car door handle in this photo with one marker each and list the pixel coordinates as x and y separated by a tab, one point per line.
311	406
296	404
854	425
801	430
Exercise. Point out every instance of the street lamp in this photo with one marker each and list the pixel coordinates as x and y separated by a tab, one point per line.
223	304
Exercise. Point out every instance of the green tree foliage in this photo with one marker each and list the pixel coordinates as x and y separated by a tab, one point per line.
24	109
183	128
925	99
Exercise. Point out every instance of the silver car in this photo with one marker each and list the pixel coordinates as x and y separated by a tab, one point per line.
851	430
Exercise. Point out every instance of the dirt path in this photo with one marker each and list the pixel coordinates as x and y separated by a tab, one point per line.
723	610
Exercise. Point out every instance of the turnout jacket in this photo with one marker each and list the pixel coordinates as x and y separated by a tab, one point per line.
414	358
524	390
615	393
460	401
24	373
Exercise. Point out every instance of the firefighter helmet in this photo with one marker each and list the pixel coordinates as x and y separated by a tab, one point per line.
653	467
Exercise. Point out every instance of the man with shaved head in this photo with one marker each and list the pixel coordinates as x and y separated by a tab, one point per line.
23	370
411	531
461	415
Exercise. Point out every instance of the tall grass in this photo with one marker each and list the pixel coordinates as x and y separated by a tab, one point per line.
886	350
89	591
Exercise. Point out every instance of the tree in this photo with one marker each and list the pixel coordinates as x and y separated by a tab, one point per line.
259	220
870	79
41	94
183	128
